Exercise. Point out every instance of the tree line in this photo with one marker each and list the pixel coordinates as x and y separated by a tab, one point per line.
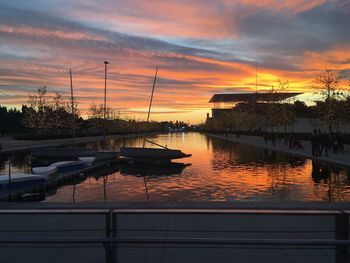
53	116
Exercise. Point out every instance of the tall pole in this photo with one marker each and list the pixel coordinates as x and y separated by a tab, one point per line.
72	101
150	105
256	76
10	181
104	109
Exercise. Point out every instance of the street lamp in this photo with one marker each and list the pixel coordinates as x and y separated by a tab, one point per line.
104	109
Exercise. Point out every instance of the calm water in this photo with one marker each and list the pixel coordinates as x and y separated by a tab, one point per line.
217	171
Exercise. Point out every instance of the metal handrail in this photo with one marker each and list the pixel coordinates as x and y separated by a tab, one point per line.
188	241
111	240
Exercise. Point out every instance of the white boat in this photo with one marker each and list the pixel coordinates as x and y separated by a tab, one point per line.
20	180
59	167
44	170
88	160
67	166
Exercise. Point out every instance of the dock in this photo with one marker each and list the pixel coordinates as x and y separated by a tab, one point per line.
57	180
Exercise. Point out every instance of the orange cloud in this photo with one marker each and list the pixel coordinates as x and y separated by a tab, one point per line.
52	33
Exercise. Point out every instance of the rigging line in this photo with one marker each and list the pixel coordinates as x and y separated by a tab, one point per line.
72	102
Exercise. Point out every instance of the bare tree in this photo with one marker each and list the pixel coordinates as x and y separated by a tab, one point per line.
287	116
327	84
35	117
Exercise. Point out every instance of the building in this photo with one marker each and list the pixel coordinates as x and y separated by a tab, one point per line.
226	102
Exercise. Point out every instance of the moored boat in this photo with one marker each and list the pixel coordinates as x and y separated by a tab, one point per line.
59	167
106	155
67	166
20	180
44	170
152	153
88	160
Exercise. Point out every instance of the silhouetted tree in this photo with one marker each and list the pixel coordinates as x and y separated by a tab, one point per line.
330	109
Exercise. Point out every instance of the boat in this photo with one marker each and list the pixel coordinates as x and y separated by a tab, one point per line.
20	180
106	155
152	153
162	154
68	153
60	167
67	166
88	160
44	170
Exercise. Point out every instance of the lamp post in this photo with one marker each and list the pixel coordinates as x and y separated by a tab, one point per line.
104	109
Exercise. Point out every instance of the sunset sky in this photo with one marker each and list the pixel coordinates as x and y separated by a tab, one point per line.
202	47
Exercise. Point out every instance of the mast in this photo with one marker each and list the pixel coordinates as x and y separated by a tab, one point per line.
72	102
150	105
105	99
256	76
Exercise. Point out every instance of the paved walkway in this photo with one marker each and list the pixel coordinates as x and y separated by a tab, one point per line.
10	145
342	159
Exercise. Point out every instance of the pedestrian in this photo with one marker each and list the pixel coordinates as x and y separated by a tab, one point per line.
273	138
325	142
291	141
340	143
313	142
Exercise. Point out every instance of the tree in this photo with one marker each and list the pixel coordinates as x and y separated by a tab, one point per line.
287	114
272	114
330	109
35	117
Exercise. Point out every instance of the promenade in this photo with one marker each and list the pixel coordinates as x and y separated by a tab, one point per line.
342	159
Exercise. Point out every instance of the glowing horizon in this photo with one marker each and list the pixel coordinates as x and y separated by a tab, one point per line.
201	48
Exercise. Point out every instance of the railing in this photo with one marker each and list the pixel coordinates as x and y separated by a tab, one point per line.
113	239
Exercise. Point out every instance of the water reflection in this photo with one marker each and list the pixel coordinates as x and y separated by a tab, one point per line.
332	181
220	171
147	170
150	169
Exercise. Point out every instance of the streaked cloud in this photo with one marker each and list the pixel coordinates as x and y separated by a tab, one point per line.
201	47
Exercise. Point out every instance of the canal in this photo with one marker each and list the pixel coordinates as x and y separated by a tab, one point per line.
217	171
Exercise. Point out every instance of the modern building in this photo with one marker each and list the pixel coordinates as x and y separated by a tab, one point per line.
226	102
223	103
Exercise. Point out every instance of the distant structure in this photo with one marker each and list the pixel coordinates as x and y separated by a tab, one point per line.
226	102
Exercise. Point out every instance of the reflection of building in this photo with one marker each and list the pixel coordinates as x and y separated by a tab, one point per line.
226	102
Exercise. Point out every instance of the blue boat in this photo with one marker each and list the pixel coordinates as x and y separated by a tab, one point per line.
20	181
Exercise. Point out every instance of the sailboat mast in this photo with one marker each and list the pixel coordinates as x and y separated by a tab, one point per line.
150	105
72	101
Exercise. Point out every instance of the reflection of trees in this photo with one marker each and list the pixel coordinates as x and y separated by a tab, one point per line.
2	162
19	160
226	154
333	178
278	177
